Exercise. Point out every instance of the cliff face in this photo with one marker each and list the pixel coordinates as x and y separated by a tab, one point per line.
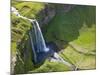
20	32
50	10
46	14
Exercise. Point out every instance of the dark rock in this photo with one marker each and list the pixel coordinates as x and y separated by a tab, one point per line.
46	15
50	10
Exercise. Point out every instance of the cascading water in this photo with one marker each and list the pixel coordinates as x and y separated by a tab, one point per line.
39	37
41	51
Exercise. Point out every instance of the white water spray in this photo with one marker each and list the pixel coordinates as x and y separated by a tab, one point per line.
40	40
57	58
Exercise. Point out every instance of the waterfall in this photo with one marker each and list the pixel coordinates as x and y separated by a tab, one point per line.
40	42
41	45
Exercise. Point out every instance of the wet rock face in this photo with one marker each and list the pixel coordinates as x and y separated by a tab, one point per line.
47	14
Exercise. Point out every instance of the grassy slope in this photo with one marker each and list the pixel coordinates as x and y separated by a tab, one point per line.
19	33
68	25
19	29
29	9
20	26
51	67
77	27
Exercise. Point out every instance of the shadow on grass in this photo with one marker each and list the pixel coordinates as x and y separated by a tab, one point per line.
65	26
61	30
